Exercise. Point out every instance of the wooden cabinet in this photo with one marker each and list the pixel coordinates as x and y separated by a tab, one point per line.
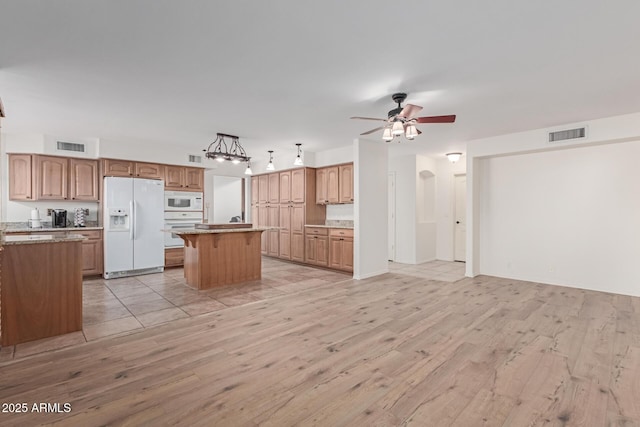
263	221
173	257
285	187
20	177
317	246
183	178
341	249
254	191
51	177
298	188
263	192
92	252
285	232
83	179
345	182
149	170
273	235
334	184
274	188
115	167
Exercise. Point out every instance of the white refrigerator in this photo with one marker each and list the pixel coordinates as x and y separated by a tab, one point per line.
133	221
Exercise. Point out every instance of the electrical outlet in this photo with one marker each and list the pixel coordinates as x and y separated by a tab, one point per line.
49	212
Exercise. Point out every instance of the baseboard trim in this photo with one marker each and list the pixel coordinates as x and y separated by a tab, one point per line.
369	275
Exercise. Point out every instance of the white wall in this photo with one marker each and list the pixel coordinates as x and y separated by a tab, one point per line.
370	213
405	243
445	205
227	199
334	156
340	212
562	214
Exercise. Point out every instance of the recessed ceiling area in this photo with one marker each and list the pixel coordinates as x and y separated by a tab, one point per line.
283	72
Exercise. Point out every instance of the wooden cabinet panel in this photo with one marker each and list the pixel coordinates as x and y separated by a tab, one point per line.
20	177
274	238
254	190
332	185
174	257
274	188
194	179
347	254
263	221
322	250
285	187
298	186
51	178
174	177
321	186
317	247
113	167
297	218
341	249
285	244
91	257
263	193
84	179
346	183
149	170
335	252
297	247
285	218
310	249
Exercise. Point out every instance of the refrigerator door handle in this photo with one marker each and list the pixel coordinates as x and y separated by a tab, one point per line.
131	220
135	220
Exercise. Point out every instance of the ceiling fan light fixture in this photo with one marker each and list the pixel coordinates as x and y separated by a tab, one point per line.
270	165
298	161
398	128
453	157
411	132
386	135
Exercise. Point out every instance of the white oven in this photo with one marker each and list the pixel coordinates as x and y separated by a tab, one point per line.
179	221
182	201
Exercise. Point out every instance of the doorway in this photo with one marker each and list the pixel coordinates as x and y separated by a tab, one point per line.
460	219
391	215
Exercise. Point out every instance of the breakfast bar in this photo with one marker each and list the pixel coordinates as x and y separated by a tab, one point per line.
218	257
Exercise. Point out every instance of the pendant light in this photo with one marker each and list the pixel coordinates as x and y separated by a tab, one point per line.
298	161
270	166
247	171
220	151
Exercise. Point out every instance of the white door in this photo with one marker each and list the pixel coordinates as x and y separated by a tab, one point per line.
118	237
148	222
391	206
460	226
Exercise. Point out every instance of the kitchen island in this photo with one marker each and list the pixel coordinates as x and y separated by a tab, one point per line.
221	257
41	291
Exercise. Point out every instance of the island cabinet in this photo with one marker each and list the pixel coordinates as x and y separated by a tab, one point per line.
173	257
334	184
341	249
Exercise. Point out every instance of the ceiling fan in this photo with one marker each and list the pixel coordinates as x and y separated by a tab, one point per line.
401	120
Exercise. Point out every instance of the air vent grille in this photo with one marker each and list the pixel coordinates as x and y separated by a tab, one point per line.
195	159
567	134
70	146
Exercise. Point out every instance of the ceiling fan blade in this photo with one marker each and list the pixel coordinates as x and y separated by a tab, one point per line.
409	111
437	119
372	130
368	118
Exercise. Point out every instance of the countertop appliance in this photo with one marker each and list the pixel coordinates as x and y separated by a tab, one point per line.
184	201
58	218
177	221
133	222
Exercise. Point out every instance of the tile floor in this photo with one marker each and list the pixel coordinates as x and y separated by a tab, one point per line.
123	306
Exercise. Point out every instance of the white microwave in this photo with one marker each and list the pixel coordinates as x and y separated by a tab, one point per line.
182	201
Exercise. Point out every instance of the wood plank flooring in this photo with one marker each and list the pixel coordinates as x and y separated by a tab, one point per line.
397	349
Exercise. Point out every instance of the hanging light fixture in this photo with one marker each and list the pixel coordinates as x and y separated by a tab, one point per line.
411	132
247	171
220	152
298	161
270	166
453	157
398	128
386	135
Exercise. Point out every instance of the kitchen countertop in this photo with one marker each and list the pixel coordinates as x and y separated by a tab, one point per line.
47	238
218	231
329	226
48	229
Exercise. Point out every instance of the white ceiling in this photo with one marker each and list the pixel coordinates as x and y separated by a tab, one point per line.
284	71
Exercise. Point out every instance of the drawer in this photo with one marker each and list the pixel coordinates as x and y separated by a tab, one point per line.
317	231
341	232
90	234
174	257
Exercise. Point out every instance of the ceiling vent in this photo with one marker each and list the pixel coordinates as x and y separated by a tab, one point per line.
563	135
195	159
70	146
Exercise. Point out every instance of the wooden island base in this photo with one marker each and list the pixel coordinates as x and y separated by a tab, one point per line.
221	258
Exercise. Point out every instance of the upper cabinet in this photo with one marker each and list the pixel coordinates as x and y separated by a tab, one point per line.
36	177
254	190
334	184
298	189
20	177
83	174
183	178
114	167
285	187
149	170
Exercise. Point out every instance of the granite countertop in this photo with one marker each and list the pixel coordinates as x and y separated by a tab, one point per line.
347	227
34	239
218	231
48	229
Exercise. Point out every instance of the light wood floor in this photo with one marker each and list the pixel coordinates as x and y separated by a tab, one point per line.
393	350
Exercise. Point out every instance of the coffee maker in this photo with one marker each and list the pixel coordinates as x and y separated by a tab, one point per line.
58	218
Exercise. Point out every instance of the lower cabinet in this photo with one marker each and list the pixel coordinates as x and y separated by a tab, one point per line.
341	249
317	250
173	257
92	250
